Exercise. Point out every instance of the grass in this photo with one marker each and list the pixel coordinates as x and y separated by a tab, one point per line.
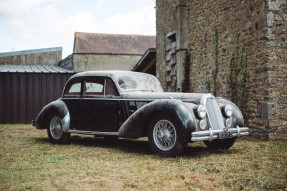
28	161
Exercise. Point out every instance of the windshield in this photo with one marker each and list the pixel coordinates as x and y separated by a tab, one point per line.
139	82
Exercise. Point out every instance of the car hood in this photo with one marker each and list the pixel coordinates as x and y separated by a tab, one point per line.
186	97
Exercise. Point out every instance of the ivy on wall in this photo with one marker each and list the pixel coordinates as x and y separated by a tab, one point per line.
185	85
239	89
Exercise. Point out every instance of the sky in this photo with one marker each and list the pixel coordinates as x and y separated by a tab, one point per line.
35	24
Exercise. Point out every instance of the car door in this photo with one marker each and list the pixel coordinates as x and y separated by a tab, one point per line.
71	97
99	106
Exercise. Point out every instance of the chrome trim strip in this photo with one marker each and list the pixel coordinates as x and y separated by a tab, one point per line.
214	134
93	132
204	98
66	123
112	98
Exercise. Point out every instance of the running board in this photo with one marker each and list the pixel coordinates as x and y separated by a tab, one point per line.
94	133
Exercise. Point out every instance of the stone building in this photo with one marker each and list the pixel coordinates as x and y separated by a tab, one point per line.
93	51
46	56
207	30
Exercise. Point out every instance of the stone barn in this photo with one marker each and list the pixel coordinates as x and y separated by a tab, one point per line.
228	41
93	51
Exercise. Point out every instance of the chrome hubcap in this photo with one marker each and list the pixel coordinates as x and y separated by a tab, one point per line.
56	127
164	135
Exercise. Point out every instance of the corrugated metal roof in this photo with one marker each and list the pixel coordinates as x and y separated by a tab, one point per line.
96	43
21	52
34	69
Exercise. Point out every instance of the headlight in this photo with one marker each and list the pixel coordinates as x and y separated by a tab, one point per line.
202	124
228	122
201	111
228	110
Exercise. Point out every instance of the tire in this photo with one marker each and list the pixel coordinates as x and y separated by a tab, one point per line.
220	143
163	136
55	133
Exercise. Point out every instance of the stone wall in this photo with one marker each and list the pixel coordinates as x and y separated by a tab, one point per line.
262	27
49	56
87	62
67	62
276	12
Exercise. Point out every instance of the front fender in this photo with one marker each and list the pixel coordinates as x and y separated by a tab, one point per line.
58	108
237	116
137	123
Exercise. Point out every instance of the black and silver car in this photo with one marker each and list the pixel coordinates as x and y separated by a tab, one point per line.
133	105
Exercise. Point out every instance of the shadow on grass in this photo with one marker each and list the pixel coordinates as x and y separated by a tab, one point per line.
137	146
202	151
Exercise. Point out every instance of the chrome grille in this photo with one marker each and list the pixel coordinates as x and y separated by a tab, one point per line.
214	114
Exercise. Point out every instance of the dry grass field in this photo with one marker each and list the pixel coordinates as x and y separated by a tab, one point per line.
28	161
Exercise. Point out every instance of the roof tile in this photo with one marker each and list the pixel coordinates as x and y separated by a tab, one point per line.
112	43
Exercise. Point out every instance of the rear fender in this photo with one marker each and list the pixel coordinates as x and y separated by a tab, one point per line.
58	108
137	123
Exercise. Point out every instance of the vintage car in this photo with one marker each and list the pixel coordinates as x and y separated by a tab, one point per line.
131	105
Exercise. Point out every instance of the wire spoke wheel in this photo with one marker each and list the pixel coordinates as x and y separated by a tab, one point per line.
164	135
56	127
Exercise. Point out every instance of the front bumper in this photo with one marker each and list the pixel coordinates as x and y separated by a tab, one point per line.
219	134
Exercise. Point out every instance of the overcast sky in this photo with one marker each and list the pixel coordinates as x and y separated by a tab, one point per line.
33	24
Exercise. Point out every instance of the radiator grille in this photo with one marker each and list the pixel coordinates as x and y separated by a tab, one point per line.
214	114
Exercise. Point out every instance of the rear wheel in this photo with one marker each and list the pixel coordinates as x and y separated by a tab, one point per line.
220	143
55	132
164	138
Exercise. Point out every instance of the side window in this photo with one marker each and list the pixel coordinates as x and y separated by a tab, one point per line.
94	86
99	86
73	88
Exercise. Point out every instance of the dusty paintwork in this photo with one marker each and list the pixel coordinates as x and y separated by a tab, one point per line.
133	105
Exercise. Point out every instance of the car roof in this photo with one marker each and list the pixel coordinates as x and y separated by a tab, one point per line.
111	73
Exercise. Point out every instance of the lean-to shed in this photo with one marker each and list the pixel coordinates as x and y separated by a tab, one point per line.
25	89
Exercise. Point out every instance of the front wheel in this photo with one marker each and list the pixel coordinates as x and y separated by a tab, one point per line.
163	136
55	132
220	143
